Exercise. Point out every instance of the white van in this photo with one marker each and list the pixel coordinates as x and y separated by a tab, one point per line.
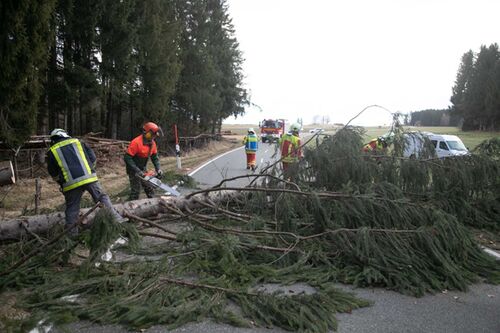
445	145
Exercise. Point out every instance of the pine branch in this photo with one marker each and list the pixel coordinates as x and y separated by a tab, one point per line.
149	222
272	190
44	247
156	235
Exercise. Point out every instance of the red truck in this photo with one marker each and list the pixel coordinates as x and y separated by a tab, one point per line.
271	130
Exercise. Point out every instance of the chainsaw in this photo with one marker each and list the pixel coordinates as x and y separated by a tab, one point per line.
150	179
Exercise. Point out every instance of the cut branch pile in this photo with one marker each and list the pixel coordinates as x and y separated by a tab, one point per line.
382	221
106	150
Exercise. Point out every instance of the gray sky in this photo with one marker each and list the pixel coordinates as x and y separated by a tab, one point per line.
326	57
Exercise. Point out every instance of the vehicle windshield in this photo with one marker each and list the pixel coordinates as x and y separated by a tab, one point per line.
456	145
271	124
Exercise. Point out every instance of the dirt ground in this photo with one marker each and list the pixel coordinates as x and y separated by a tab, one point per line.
19	199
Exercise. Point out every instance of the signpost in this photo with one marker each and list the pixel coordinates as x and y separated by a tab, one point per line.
177	148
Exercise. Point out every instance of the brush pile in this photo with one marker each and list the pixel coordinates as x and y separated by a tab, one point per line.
341	216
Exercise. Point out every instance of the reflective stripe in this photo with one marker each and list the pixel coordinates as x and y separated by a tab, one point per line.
83	182
62	165
76	165
85	162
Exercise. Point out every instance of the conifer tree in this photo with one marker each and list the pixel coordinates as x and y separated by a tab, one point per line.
210	85
117	42
24	38
228	60
157	53
108	66
196	97
476	94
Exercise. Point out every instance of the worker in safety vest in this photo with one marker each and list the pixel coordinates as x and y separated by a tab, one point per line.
72	164
290	147
139	151
376	145
251	145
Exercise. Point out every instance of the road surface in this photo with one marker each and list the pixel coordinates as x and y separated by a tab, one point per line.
477	310
232	164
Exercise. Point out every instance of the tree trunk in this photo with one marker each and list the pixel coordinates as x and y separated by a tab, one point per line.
16	229
6	173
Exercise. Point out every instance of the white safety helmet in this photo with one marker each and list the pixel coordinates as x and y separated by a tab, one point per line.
295	128
59	132
251	130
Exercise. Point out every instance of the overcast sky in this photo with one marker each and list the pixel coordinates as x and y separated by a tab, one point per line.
325	57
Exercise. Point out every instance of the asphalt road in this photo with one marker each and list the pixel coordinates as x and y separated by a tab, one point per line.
477	310
232	164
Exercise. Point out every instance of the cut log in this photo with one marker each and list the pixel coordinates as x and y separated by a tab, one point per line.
16	229
7	176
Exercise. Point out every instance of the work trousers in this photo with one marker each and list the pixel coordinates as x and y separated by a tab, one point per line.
251	159
135	188
74	196
290	169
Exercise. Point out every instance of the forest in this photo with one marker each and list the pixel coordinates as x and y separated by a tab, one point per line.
432	117
475	100
108	66
476	93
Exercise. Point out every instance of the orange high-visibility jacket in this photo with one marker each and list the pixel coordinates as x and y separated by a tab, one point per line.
290	148
138	152
373	145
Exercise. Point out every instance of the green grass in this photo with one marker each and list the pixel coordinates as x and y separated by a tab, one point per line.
470	139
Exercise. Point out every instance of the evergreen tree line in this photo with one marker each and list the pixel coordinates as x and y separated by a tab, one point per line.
432	117
108	66
476	93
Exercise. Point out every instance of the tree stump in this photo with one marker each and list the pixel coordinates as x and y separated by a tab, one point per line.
7	176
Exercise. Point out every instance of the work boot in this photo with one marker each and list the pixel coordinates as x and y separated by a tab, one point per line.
254	167
248	167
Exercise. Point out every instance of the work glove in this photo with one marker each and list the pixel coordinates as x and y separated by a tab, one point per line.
159	173
140	174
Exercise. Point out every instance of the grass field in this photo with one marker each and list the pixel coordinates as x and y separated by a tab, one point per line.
470	139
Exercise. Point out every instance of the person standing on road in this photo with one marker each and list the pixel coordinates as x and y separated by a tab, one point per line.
71	163
140	149
251	145
290	148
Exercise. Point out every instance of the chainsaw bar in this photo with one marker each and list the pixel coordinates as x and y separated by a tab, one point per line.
155	182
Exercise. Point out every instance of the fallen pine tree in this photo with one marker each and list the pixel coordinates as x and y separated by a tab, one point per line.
348	217
27	226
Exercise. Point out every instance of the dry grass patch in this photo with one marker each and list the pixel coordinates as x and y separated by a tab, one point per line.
19	199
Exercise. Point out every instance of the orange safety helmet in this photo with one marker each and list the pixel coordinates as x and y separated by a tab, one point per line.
150	126
151	130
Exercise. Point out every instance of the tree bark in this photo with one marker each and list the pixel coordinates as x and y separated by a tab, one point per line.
16	229
7	176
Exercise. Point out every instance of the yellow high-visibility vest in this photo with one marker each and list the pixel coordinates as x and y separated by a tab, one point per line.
73	163
290	145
